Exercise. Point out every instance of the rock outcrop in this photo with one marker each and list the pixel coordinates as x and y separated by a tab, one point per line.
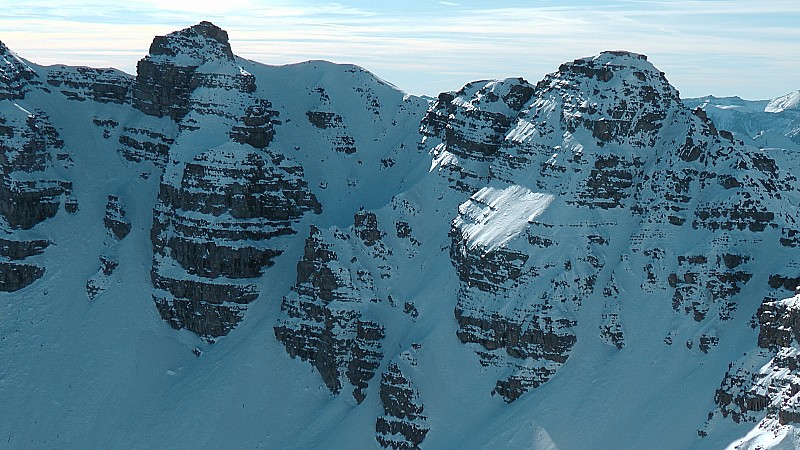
762	386
599	136
325	317
115	219
464	130
15	75
403	424
139	144
213	224
166	77
257	125
30	192
330	124
86	83
118	227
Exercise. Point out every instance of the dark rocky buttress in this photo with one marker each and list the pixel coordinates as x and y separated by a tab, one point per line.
214	222
324	317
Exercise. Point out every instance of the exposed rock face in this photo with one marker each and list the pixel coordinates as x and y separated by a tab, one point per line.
213	223
86	83
615	121
531	340
324	317
598	135
144	144
611	330
100	281
15	276
19	250
465	129
366	227
30	193
118	226
115	219
516	305
256	127
15	75
166	77
404	423
330	124
766	380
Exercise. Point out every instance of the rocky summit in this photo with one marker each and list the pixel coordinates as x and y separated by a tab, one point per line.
216	252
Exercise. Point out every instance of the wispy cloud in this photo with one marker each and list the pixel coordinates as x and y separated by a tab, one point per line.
717	46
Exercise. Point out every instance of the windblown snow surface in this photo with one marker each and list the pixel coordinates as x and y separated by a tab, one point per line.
492	217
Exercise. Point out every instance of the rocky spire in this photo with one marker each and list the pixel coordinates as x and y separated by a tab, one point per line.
166	78
193	46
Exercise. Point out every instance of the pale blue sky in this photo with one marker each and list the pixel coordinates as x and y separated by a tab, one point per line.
720	47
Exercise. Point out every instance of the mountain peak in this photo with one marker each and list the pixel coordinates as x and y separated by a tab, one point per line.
621	54
180	62
604	66
784	102
619	96
194	45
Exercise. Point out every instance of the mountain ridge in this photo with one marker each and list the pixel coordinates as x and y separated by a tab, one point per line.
486	268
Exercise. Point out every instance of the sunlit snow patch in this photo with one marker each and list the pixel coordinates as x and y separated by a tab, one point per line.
492	217
784	102
442	158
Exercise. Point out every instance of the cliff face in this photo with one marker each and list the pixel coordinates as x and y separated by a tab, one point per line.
167	76
403	424
16	77
326	316
216	224
465	129
511	257
605	156
30	191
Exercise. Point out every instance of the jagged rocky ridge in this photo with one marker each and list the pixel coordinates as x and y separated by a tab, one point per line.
523	221
600	135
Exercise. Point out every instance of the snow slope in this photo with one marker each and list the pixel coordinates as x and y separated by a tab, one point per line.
783	103
492	217
317	260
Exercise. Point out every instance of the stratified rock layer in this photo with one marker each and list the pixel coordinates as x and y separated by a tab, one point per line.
30	193
324	317
166	78
403	424
762	387
215	225
609	139
15	75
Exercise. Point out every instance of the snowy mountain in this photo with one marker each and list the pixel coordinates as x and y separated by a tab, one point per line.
762	123
220	253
